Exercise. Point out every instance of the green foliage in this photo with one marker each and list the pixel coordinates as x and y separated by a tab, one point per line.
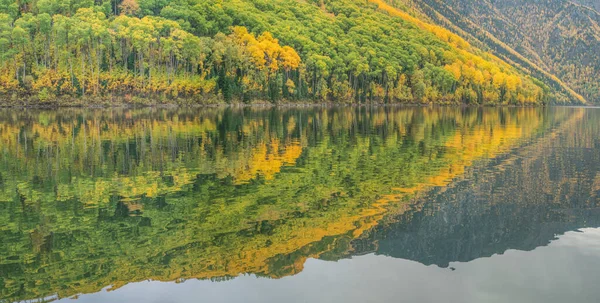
45	95
342	50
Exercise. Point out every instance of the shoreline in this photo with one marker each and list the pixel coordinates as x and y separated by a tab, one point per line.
299	104
215	101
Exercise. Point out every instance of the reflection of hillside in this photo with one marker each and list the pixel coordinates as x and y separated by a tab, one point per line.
190	195
519	202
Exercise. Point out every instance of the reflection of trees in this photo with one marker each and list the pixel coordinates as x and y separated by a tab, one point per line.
105	198
520	202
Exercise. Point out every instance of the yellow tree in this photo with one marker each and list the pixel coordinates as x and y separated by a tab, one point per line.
129	7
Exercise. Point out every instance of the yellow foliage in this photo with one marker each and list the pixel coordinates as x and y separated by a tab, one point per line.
265	51
455	70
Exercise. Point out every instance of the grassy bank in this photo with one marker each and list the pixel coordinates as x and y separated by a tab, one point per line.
27	101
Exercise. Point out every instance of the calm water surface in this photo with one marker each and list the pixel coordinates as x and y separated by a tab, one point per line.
300	205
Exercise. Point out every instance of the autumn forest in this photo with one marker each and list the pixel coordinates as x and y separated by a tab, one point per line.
248	51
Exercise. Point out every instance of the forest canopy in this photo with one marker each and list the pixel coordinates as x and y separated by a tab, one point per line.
343	51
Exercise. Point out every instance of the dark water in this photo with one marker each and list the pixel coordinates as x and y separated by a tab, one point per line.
300	205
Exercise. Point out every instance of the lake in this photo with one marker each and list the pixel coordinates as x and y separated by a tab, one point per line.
346	204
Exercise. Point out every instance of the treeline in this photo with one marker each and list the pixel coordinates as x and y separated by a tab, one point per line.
89	54
345	51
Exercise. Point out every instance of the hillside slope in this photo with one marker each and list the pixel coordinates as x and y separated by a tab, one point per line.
345	51
590	3
558	37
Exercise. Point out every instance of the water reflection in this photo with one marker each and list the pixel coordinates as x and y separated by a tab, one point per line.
564	271
90	199
521	200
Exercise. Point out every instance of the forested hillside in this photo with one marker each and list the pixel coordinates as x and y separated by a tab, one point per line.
553	38
201	51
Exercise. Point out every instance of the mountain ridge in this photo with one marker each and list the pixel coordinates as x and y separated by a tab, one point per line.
559	37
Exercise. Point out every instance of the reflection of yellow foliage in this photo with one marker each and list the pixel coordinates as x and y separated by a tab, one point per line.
222	234
596	186
476	142
266	161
